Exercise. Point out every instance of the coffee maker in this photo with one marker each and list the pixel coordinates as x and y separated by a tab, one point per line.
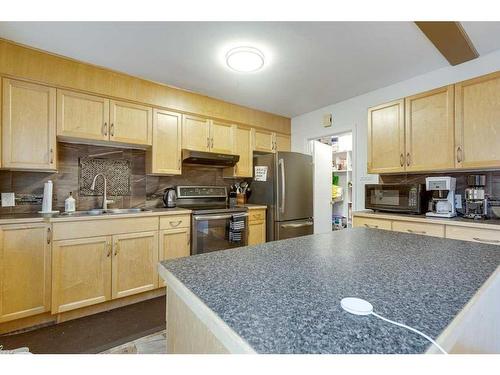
476	201
442	203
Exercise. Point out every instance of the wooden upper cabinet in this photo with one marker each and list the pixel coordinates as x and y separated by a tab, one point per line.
195	133
477	122
264	141
25	275
386	138
429	130
135	258
28	126
82	116
165	155
130	123
243	146
81	273
282	142
221	137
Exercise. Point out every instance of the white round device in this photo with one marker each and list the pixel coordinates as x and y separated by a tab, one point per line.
356	306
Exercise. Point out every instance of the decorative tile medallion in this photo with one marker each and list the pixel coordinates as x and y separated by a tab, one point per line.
117	172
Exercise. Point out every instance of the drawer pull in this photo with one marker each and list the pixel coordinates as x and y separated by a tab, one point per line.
117	248
49	235
485	240
105	128
109	250
175	223
371	226
408	160
416	231
459	154
401	160
112	129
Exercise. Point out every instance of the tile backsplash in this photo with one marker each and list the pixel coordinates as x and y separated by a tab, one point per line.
142	191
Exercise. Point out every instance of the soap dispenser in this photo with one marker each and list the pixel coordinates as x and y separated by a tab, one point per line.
70	203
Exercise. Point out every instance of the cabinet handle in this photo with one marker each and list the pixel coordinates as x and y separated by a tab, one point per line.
117	248
109	250
459	154
175	223
212	144
485	240
416	231
371	226
179	164
408	160
208	142
49	235
51	156
105	128
112	129
402	159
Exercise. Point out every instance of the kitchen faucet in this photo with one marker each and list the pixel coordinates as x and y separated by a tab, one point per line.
105	199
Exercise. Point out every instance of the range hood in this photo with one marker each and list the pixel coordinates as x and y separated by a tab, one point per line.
214	159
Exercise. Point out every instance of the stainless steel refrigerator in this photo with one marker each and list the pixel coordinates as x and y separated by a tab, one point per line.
284	182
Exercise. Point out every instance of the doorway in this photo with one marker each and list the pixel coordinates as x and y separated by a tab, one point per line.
333	182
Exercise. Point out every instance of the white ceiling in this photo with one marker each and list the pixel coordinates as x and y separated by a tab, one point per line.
308	64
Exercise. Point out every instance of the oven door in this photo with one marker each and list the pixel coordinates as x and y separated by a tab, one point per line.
211	232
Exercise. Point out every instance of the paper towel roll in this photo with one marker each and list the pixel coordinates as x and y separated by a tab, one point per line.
47	197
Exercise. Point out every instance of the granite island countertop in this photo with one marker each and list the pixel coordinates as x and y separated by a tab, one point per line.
284	296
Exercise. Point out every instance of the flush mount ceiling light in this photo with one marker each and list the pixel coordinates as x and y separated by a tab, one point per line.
245	59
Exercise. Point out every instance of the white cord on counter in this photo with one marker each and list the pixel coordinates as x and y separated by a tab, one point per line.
358	306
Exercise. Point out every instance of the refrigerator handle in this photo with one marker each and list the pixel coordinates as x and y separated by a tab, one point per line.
281	164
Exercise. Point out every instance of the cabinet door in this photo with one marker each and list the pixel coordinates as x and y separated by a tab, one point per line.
386	138
477	122
429	130
28	126
282	142
264	141
195	133
256	232
221	137
82	116
174	243
165	155
24	271
135	258
243	139
130	123
81	273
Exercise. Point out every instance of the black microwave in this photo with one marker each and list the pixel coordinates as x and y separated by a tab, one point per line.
404	198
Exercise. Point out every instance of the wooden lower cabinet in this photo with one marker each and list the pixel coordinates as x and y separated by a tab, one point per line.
366	222
81	273
256	226
135	258
435	230
481	235
25	262
93	270
174	243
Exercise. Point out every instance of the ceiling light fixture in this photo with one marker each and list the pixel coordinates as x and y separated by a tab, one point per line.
245	59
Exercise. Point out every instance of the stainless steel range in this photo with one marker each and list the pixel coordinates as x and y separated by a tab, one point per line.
215	225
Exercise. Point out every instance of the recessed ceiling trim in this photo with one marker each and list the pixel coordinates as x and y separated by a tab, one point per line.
450	39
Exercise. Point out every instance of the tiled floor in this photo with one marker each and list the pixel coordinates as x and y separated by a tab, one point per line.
152	344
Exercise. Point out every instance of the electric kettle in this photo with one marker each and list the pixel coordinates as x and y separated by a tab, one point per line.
169	197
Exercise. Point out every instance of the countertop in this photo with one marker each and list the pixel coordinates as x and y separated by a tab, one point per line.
39	218
458	220
284	296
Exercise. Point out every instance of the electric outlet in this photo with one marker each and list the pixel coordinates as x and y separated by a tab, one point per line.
458	201
8	200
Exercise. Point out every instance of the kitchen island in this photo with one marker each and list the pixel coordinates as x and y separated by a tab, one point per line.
284	296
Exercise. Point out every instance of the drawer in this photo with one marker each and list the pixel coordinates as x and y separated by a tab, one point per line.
100	227
255	215
175	221
436	230
489	236
367	222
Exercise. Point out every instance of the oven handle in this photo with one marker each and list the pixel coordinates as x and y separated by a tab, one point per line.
215	217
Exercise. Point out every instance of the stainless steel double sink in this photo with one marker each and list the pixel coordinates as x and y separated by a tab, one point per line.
109	211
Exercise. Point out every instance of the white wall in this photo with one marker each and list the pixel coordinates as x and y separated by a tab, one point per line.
351	114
